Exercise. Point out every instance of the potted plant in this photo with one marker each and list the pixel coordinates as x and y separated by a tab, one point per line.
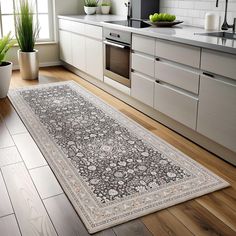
90	6
105	8
5	67
26	34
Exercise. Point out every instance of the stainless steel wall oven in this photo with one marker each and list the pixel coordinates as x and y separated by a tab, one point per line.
117	46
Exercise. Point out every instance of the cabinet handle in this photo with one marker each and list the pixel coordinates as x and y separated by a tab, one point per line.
208	74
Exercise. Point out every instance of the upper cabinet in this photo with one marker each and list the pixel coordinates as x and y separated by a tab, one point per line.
81	46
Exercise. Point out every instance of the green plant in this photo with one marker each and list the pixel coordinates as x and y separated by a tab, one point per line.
90	3
5	44
105	4
26	30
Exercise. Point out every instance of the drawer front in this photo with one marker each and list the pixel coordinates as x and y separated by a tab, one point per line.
143	44
93	31
180	107
72	26
219	63
142	88
181	53
217	111
143	64
177	76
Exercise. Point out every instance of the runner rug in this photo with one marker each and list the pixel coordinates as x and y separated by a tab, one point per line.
112	169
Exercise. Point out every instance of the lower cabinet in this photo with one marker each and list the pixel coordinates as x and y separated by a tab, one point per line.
142	88
82	52
78	51
65	46
176	104
217	111
94	58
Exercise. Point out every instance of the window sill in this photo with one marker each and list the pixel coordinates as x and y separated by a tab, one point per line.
41	43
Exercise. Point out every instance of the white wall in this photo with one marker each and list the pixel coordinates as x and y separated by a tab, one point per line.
193	12
118	7
49	53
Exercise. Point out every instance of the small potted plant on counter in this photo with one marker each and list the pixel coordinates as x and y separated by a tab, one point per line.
105	7
5	67
90	6
26	34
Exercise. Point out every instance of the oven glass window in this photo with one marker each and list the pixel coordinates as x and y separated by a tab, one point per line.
118	60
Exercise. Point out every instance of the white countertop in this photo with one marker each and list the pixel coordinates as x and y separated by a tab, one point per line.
182	33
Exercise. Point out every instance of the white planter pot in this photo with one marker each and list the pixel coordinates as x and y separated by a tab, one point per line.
90	10
29	64
105	10
5	78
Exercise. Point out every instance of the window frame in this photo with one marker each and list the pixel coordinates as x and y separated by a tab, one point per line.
50	15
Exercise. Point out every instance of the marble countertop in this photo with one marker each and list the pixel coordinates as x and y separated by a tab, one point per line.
182	33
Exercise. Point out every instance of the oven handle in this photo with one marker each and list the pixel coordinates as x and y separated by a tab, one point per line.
115	44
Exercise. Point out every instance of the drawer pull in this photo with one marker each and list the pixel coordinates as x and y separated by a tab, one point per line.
208	74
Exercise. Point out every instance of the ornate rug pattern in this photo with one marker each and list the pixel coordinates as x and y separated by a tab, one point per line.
111	168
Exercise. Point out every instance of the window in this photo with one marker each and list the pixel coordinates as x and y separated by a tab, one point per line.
42	13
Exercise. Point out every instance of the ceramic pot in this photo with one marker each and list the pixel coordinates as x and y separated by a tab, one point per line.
5	78
90	10
105	10
29	64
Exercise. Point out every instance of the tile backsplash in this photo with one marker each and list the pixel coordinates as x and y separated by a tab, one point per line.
193	12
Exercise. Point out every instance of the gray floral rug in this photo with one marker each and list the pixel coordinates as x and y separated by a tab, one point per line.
111	168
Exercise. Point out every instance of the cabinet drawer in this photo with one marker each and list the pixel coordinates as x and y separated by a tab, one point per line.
181	53
93	31
143	64
179	106
143	44
177	76
71	26
219	63
142	88
217	111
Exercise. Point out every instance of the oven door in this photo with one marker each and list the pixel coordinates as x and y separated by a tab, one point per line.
117	62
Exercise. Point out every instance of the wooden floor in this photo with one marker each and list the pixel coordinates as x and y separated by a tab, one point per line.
33	203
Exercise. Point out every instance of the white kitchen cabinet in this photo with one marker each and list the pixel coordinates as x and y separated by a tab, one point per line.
178	52
65	46
143	44
142	88
81	46
217	110
143	63
176	104
219	63
94	58
177	75
78	51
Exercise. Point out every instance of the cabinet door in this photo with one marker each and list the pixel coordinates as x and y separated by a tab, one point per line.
217	111
65	46
78	51
94	58
142	88
176	104
143	63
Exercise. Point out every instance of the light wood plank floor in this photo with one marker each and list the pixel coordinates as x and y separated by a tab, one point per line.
33	203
